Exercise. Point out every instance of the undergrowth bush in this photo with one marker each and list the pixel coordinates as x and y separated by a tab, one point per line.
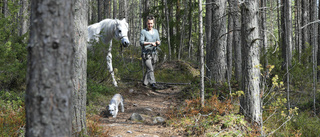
12	114
305	124
94	129
210	120
13	53
98	95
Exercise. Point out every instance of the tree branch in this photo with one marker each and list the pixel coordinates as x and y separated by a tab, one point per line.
281	125
310	24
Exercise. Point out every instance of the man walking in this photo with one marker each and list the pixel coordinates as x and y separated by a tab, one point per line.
149	40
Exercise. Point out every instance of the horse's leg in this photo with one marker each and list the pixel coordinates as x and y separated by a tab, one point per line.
109	64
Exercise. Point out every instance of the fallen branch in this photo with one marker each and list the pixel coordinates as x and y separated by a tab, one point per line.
165	83
173	83
280	126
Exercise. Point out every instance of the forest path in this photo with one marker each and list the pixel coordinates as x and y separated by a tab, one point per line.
149	104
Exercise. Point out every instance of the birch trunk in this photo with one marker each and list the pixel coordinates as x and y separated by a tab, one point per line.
201	55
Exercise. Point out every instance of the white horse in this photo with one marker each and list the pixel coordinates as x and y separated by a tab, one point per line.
106	30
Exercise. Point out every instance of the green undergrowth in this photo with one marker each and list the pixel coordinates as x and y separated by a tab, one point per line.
12	113
98	95
175	72
217	118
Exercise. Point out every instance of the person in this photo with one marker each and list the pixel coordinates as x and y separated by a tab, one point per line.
149	41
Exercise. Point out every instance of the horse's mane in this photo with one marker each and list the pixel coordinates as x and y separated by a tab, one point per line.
106	27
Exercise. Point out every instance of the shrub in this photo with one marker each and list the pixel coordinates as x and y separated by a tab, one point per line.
13	53
94	129
305	125
12	114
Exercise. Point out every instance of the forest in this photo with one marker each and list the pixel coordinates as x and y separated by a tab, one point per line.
225	68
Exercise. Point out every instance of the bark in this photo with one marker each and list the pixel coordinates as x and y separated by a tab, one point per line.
229	45
24	17
286	26
94	12
305	20
120	9
145	12
168	28
263	31
99	10
115	5
178	29
107	9
5	8
314	43
208	35
201	55
217	61
50	69
236	40
80	68
190	30
125	9
287	42
171	30
89	11
298	36
251	102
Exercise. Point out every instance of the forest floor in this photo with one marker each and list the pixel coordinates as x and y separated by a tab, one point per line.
149	104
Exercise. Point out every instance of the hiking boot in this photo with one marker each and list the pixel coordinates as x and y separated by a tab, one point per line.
154	86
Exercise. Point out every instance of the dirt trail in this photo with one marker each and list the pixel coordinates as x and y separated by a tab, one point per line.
149	104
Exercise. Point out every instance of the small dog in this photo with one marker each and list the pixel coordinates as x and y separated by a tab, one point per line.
114	104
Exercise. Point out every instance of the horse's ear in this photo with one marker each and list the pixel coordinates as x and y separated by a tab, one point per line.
124	19
117	22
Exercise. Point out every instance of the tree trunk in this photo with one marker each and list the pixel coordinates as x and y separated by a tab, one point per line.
80	68
190	29
250	103
89	11
125	9
236	41
305	20
178	29
99	10
5	8
115	5
229	46
171	31
120	9
24	17
217	62
263	31
168	28
298	42
201	55
208	35
50	69
287	42
93	12
314	43
286	26
145	12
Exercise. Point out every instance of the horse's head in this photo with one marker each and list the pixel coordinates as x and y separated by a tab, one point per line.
122	29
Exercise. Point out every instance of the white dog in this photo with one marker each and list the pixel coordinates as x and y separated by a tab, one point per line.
114	104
